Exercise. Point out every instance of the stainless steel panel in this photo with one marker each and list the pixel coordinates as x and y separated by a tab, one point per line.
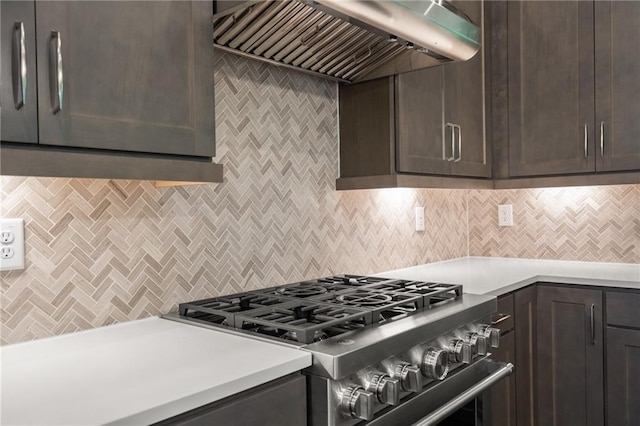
340	356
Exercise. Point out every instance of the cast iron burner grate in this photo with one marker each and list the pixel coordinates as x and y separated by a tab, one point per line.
313	310
318	287
383	305
304	322
222	310
433	293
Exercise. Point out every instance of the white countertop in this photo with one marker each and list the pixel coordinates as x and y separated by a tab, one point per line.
497	276
136	372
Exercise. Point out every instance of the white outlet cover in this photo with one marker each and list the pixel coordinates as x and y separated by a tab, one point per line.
419	219
16	227
505	215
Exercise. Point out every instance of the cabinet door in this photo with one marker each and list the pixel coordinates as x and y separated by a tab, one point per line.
617	85
623	376
280	402
503	393
422	144
551	93
135	76
464	104
525	330
18	92
570	357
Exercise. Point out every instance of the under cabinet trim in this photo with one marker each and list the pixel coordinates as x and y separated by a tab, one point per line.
40	161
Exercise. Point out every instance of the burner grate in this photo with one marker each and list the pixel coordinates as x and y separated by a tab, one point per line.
383	305
222	310
304	321
432	293
313	310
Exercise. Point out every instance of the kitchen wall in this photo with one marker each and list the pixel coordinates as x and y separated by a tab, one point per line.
100	251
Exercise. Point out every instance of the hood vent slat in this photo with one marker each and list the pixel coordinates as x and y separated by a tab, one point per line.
304	35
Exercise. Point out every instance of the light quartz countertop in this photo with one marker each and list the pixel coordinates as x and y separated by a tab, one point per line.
497	276
136	373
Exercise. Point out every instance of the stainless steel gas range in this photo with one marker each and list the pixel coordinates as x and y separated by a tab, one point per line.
385	351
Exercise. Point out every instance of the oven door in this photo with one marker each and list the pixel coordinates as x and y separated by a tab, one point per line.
459	395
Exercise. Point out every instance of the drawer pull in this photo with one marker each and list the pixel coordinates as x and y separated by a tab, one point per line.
498	318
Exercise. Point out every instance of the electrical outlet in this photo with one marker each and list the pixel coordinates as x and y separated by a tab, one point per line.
7	252
419	219
11	244
505	215
6	237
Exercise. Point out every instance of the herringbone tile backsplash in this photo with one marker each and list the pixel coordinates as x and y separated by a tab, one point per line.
100	252
599	223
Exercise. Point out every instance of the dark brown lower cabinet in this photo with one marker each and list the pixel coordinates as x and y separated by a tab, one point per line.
623	358
525	330
570	356
503	394
279	402
623	377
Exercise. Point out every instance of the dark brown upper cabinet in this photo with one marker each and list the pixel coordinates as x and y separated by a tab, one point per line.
617	62
573	92
114	81
19	90
407	129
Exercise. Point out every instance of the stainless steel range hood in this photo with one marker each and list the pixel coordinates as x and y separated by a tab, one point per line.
346	40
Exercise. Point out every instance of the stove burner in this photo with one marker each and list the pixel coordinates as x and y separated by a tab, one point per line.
364	299
302	291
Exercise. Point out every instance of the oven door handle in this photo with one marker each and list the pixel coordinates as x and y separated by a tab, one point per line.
466	396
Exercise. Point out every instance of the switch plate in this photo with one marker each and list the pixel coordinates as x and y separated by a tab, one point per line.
505	215
419	219
11	244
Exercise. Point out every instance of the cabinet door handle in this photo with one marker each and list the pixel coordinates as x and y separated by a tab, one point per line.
56	76
19	68
601	139
453	144
459	143
586	141
593	324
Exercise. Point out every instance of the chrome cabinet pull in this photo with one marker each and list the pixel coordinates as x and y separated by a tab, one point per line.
601	139
456	126
56	76
498	318
593	324
586	140
19	68
453	143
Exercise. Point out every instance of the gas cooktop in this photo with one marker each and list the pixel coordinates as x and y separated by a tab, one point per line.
313	310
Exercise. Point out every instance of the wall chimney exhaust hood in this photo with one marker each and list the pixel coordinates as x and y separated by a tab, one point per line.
346	40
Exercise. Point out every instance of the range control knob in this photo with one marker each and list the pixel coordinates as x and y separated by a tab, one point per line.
478	343
409	376
357	403
435	363
386	389
459	351
491	334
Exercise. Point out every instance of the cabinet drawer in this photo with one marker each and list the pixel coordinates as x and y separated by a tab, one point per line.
503	319
623	308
